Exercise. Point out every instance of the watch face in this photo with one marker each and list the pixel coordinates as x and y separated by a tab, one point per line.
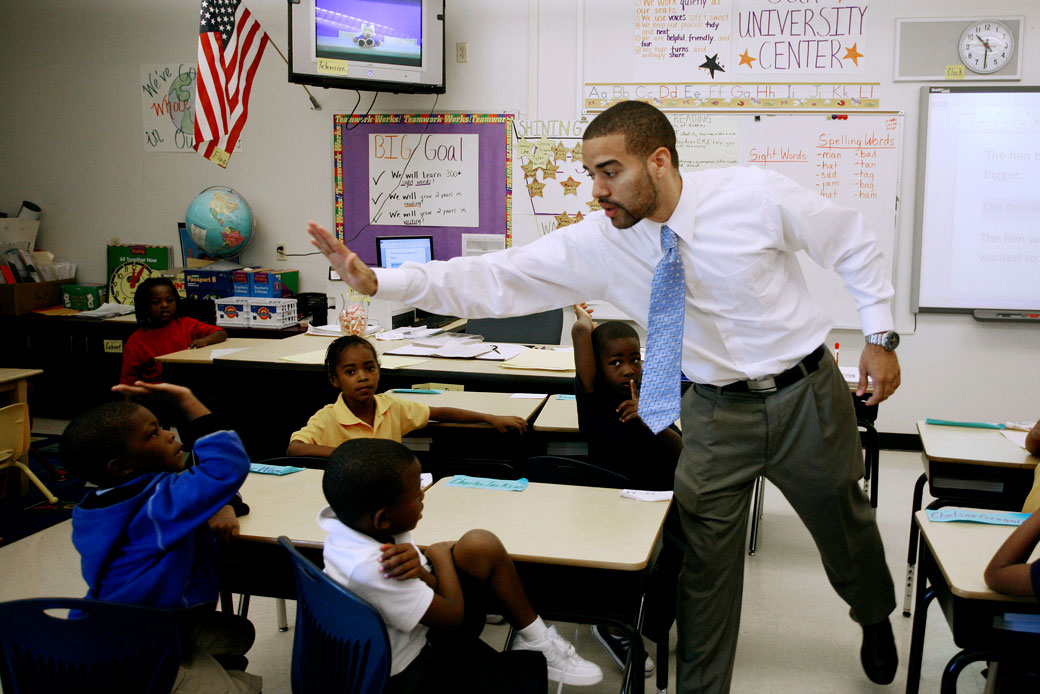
124	281
986	46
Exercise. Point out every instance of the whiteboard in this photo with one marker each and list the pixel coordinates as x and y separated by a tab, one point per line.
853	159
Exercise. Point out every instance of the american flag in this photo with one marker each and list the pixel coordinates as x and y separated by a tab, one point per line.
231	43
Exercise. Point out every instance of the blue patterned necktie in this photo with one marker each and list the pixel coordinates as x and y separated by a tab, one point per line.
659	392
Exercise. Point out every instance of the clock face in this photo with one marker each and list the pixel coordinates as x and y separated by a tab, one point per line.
986	46
124	281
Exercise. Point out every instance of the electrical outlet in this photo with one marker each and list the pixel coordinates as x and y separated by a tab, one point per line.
462	52
279	252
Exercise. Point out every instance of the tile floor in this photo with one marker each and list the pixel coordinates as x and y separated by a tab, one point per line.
795	635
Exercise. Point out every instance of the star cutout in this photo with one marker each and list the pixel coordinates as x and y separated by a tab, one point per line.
712	64
576	152
570	186
535	189
530	169
560	151
746	59
593	205
523	147
549	170
578	216
563	220
853	55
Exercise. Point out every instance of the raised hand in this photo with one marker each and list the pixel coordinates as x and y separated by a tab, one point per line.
350	267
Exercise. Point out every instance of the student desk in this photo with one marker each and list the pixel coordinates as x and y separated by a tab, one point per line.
584	553
985	624
967	466
15	382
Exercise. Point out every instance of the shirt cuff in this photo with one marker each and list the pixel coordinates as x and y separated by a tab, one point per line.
876	318
392	284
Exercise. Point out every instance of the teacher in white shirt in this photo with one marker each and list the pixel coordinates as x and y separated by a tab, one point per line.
730	305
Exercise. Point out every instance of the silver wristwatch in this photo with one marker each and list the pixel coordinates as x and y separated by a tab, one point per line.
889	340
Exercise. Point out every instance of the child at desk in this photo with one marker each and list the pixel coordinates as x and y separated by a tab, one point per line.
161	330
433	603
353	368
148	534
1009	572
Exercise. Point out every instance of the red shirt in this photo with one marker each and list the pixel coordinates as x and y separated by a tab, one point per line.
145	344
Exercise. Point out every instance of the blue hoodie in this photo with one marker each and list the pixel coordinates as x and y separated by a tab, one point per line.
147	541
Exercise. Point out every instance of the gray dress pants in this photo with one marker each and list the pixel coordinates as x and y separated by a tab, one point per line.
802	438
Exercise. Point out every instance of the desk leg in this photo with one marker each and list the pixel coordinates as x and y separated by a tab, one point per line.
872	451
924	596
911	550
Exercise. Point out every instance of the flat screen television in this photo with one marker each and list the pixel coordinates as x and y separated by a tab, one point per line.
394	250
373	45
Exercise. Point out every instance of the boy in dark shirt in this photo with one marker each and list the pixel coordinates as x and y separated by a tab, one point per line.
146	534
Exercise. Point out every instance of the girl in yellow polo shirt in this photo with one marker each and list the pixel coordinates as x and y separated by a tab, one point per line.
353	368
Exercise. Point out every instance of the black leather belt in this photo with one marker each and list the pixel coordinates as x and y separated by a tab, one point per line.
774	383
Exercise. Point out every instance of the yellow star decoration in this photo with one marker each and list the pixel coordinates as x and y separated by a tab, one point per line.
576	152
542	151
578	216
570	186
853	55
560	151
523	147
549	170
535	189
746	59
593	205
529	169
563	220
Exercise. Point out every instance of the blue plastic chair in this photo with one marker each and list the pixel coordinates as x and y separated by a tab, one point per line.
98	647
341	644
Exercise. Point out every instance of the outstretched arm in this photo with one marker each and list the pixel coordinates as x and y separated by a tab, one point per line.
1008	571
581	338
460	416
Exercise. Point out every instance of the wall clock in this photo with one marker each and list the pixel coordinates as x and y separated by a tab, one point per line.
125	280
986	45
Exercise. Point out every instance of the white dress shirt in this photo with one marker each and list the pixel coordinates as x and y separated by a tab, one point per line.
749	313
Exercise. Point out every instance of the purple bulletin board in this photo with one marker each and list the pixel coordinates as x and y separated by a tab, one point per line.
351	136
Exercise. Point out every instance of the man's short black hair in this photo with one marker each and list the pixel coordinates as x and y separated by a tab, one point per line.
340	345
365	475
96	437
143	299
611	330
645	128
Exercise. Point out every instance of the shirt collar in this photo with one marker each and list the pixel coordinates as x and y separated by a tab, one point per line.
346	416
681	221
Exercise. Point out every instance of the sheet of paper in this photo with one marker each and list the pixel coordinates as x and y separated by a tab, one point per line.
488	483
541	359
500	351
970	515
850	373
529	396
390	361
315	357
218	353
1016	437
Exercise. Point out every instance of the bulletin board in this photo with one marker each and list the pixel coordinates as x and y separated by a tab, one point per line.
443	175
853	159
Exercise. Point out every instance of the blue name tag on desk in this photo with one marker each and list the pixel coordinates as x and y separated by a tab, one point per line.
265	469
963	515
488	483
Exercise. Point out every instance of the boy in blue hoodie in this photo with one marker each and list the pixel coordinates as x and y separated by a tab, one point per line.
146	535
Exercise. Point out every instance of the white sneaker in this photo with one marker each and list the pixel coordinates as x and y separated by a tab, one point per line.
565	665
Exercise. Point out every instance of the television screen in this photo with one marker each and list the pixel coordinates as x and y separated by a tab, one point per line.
375	45
394	250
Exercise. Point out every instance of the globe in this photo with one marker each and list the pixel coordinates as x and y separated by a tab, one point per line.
220	222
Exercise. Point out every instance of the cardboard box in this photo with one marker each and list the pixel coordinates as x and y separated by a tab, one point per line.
233	310
83	297
16	299
203	283
265	283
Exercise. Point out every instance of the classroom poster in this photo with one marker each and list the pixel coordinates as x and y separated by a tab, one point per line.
687	34
168	97
551	183
822	37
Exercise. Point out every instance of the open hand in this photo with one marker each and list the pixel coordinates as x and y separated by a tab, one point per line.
350	267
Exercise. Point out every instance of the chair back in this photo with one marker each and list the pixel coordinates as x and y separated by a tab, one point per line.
341	644
556	469
98	647
312	462
541	328
14	431
495	469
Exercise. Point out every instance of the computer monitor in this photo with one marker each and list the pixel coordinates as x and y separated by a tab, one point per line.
394	250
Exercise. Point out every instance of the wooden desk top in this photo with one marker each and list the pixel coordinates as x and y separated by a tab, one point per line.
204	355
971	445
502	404
558	415
10	375
546	523
962	551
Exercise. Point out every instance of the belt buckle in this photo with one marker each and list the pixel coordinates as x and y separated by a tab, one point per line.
762	385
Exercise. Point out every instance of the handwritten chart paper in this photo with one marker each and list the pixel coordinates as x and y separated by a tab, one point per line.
168	97
682	32
424	180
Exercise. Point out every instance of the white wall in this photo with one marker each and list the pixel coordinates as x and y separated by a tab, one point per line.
71	140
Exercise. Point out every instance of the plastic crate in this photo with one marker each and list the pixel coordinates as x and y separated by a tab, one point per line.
233	310
272	313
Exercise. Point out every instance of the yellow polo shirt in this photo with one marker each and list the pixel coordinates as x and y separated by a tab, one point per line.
335	423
